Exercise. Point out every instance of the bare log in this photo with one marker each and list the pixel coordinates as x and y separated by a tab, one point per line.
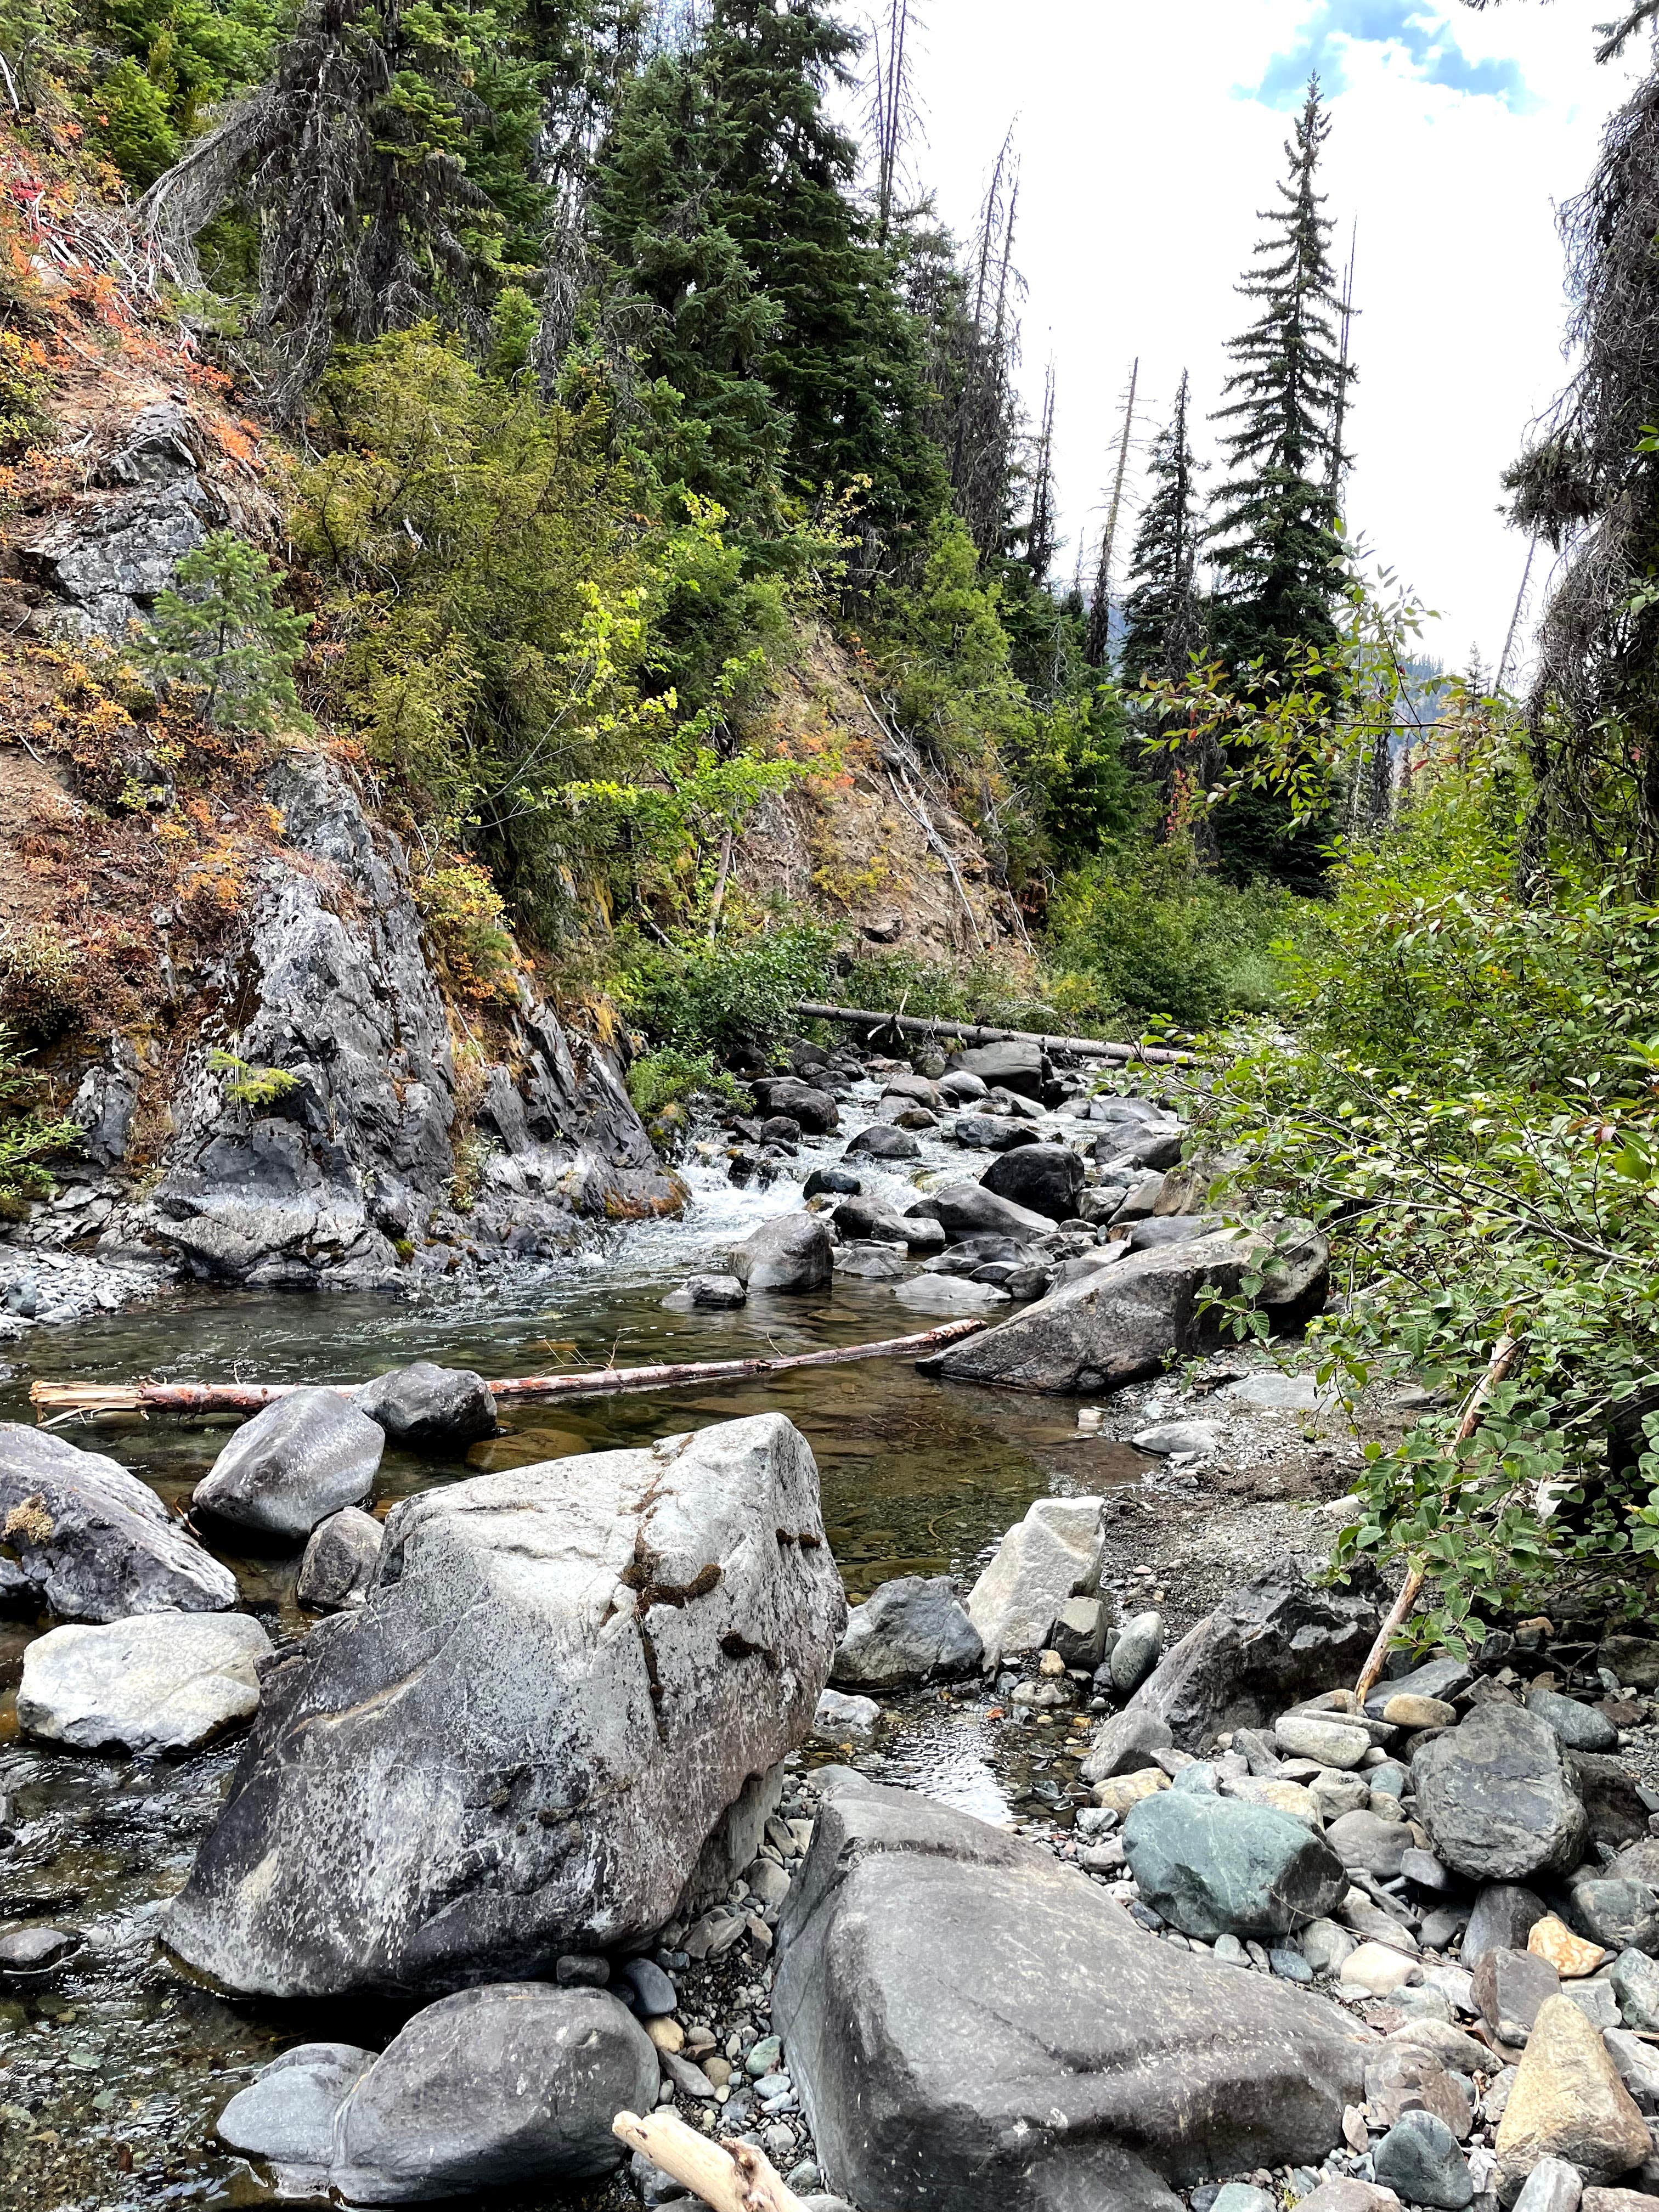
1153	1055
731	2177
1502	1358
57	1399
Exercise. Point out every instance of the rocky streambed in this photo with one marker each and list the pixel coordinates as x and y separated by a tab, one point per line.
389	1801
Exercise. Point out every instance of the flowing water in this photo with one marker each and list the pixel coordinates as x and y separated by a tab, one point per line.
110	2074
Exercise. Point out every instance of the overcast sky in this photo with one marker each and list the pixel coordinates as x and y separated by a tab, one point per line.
1149	135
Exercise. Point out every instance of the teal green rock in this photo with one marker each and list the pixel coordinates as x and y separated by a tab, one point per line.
1215	1866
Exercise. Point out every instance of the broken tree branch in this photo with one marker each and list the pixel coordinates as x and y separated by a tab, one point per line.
50	1399
731	2177
1502	1358
977	1033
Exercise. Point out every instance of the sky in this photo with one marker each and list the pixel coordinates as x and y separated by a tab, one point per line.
1150	134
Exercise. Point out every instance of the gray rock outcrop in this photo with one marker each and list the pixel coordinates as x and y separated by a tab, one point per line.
970	2024
1120	1326
157	1682
82	1536
911	1630
1051	1555
299	1460
562	1678
335	1183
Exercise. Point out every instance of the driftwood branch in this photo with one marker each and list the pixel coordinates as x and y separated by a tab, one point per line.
1502	1358
976	1033
731	2177
50	1399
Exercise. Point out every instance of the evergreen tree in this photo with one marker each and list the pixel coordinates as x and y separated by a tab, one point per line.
1162	620
1277	546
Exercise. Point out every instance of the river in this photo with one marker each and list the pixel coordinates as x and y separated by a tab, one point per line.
112	2073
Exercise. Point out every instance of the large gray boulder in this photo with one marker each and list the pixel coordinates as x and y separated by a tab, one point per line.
864	1218
82	1536
793	1252
510	2087
1051	1555
299	1460
424	1408
1217	1866
1123	1325
339	1561
157	1682
1045	1179
564	1677
813	1108
911	1630
1282	1636
970	2024
1011	1067
989	1133
967	1209
1496	1795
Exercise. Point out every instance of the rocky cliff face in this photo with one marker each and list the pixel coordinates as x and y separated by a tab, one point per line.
364	1166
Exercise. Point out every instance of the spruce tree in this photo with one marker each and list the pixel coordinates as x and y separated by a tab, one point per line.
1162	620
1277	546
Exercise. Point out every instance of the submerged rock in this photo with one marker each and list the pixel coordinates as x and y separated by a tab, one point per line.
423	1407
970	2024
286	2113
339	1561
161	1681
298	1460
907	1631
564	1677
1122	1325
91	1541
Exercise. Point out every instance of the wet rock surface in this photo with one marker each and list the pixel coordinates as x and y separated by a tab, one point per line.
297	1461
159	1682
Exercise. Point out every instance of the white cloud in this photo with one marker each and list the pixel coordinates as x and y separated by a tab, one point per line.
1143	170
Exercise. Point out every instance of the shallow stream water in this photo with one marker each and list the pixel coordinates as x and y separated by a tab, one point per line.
110	2074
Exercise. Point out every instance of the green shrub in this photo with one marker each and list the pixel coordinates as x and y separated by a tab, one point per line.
252	1086
42	983
733	1000
669	1075
28	1137
219	631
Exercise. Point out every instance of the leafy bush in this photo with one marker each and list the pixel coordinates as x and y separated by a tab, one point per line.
42	979
668	1075
28	1138
733	1000
1472	1109
467	919
1143	934
253	1086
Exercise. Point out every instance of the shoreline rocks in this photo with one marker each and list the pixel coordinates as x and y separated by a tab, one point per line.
299	1460
157	1682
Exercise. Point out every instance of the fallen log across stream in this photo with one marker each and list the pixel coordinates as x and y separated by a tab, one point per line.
55	1401
1155	1056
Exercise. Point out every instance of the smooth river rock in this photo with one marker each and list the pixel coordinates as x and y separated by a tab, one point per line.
966	1209
1043	1178
339	1561
1121	1325
970	2024
299	1460
83	1537
909	1630
1217	1866
286	2113
791	1252
159	1682
1497	1797
514	2086
564	1677
423	1407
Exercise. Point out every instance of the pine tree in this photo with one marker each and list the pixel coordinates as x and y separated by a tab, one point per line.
1277	546
1162	619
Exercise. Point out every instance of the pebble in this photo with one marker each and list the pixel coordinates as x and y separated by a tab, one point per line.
1325	1946
764	2058
1379	1970
1409	1712
1239	2196
1290	1965
1581	1728
1570	1954
32	1950
581	1970
1230	1951
648	1989
1120	1791
668	2034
